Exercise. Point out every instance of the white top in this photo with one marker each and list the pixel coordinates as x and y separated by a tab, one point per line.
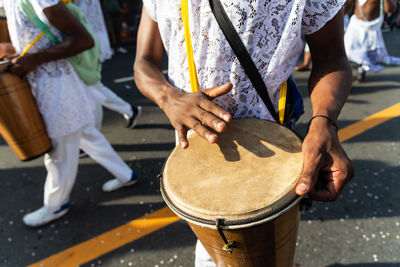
61	95
94	15
273	32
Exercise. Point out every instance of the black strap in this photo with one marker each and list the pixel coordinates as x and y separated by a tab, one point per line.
242	54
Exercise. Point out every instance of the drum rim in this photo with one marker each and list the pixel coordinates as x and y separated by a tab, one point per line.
263	216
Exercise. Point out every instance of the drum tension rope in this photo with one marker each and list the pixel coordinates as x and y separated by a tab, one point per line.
228	245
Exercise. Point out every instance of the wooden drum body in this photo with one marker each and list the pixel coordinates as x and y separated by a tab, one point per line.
4	35
238	195
21	124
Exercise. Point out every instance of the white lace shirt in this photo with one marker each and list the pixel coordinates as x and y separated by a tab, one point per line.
273	32
94	15
61	96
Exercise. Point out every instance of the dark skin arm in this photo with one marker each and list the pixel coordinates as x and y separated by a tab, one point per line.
326	167
184	110
77	40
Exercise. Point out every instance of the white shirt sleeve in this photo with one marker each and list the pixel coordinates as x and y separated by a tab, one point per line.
42	4
151	8
318	12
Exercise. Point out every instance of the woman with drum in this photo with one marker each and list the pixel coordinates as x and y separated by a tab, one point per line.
64	101
273	33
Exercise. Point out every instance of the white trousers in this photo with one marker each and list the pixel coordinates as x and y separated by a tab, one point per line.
202	258
62	163
111	101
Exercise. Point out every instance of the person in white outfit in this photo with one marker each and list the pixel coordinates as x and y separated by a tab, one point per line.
65	102
94	14
363	39
274	33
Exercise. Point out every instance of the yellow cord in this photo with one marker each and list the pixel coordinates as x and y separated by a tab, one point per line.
282	101
194	82
32	44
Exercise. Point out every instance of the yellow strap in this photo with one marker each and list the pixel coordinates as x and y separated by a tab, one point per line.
41	34
194	82
282	101
32	44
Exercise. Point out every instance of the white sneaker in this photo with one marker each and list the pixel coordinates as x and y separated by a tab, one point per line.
115	184
137	111
122	50
42	216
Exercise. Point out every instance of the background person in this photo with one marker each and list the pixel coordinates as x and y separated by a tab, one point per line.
65	103
363	38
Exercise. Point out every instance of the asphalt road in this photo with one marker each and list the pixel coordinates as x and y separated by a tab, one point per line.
361	228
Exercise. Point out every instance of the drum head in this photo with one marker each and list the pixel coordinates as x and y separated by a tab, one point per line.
248	175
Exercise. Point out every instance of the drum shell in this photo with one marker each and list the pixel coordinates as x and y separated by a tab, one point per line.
271	244
4	35
21	123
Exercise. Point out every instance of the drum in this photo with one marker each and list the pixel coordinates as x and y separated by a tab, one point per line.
4	35
21	124
238	195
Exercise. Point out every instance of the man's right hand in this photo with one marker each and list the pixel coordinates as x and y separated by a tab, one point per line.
185	110
197	111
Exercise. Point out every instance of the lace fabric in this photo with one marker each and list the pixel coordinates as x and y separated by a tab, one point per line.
94	15
272	31
62	97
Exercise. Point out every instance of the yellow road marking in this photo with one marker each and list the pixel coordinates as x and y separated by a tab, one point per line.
113	239
117	237
369	122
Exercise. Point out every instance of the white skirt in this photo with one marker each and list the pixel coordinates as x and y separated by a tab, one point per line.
364	43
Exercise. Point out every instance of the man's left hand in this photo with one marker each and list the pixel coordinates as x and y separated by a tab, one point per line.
326	168
22	65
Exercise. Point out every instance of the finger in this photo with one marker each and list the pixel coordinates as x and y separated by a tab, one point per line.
324	194
333	183
213	108
201	130
217	90
207	114
182	136
311	168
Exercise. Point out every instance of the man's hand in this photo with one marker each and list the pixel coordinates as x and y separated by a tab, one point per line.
326	167
21	65
196	111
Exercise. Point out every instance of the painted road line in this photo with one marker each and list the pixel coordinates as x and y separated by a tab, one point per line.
124	79
111	240
131	78
369	122
115	238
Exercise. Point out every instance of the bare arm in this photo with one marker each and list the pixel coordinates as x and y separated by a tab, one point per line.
326	166
389	6
77	40
331	77
184	110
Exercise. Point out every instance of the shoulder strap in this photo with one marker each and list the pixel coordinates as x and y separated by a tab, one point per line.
26	7
242	54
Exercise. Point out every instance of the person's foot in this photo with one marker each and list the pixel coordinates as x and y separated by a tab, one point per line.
43	216
115	184
137	111
122	50
361	74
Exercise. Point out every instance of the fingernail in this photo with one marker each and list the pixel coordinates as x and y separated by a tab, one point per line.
302	189
210	137
220	125
226	117
183	144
